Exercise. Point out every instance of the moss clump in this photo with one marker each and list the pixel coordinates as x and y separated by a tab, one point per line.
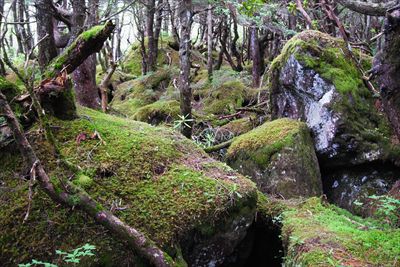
264	141
318	234
240	126
158	112
329	57
133	61
83	181
134	94
156	181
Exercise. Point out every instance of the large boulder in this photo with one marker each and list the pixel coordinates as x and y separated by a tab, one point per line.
315	79
152	178
279	156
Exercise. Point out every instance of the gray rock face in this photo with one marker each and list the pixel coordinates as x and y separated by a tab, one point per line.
311	84
310	101
348	187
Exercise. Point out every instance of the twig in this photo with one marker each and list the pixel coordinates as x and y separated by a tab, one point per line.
30	192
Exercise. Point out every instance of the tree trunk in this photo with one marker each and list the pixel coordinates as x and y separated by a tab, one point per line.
84	77
209	42
47	48
185	16
18	35
60	102
387	69
151	46
255	56
2	67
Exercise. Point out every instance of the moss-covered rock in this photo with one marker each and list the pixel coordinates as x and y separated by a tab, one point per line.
152	178
316	80
132	62
280	157
162	111
318	234
134	94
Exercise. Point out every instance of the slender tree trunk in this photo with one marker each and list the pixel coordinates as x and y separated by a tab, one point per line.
185	16
157	30
151	46
210	42
44	19
255	55
18	35
2	67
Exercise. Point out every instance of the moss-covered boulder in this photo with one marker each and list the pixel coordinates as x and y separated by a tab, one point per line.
167	55
315	79
134	94
152	178
280	158
318	234
227	91
161	111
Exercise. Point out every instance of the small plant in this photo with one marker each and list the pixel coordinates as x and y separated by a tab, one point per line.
182	121
388	209
73	257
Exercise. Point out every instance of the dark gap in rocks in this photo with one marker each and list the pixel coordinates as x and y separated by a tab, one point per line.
261	247
349	186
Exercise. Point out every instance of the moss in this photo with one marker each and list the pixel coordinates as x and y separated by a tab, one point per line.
83	181
162	183
145	90
133	61
318	234
264	141
158	112
58	63
240	126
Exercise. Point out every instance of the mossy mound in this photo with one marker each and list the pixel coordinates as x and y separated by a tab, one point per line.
280	157
134	94
152	178
158	112
319	234
317	80
227	91
132	63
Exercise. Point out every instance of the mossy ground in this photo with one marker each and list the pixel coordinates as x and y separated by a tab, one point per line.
264	141
319	234
161	111
145	90
153	179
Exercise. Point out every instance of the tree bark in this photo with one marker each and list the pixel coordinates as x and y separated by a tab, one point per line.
151	46
60	102
84	77
367	8
47	48
209	42
185	16
81	199
255	56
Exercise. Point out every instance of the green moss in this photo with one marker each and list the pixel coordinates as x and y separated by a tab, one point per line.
158	112
319	234
58	63
152	175
83	181
329	57
133	61
264	141
145	90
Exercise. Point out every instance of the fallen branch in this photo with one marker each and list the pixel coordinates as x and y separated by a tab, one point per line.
219	146
73	196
